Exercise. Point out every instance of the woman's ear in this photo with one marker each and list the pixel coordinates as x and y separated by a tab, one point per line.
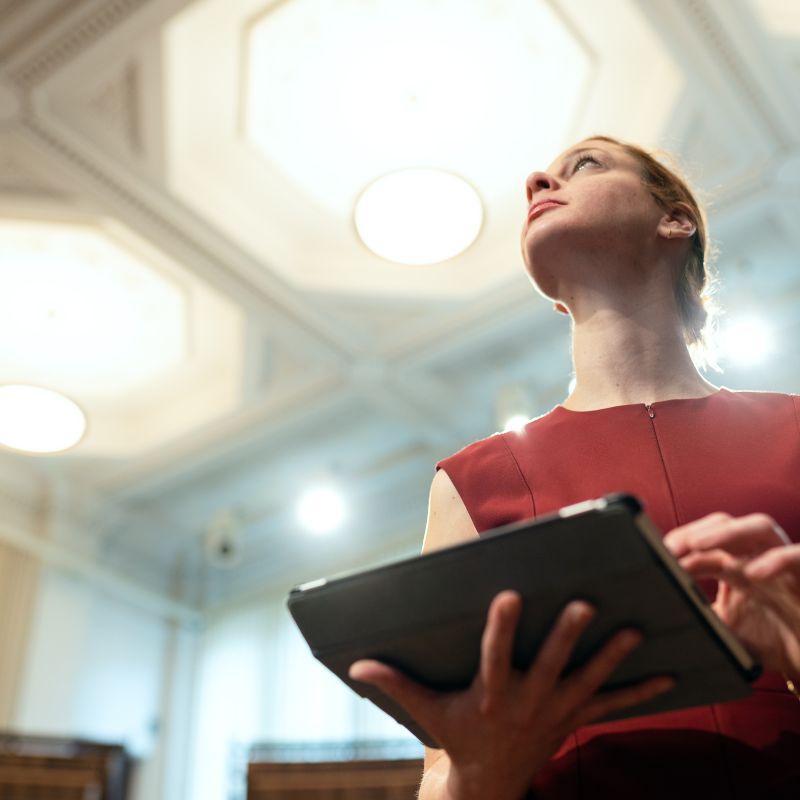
679	224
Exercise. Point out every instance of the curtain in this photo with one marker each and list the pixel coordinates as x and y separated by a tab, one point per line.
19	578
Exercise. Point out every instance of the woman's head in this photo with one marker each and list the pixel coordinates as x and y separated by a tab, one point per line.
638	205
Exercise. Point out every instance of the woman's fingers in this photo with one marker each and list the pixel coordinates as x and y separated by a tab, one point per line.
741	536
773	562
584	682
678	539
763	570
418	700
715	564
607	702
556	650
497	645
775	582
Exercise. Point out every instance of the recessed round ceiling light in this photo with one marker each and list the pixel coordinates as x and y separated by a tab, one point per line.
418	216
37	420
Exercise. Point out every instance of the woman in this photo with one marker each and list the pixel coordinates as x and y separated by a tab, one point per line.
618	242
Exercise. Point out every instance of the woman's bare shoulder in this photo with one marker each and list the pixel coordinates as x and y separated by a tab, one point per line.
449	521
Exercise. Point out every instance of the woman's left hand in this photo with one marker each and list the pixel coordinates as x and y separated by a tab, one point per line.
758	569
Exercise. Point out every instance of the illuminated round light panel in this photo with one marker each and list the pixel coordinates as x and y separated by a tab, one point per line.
385	84
418	216
84	311
37	420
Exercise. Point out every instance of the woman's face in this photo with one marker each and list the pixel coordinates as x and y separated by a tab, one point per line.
598	223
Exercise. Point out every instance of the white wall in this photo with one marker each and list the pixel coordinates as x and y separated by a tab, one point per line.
97	667
188	704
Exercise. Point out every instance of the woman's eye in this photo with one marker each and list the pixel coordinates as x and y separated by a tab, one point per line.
583	159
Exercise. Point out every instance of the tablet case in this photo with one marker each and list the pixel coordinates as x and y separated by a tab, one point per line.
426	614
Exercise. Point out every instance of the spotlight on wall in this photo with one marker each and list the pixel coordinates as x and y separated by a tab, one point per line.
746	341
321	509
516	422
512	408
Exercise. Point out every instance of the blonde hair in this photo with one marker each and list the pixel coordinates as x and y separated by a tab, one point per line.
696	280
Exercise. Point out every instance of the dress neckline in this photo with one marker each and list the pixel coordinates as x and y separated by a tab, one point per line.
657	404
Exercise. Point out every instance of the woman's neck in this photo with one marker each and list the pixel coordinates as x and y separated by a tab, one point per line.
619	360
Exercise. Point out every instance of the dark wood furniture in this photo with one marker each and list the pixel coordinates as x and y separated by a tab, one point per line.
396	779
52	768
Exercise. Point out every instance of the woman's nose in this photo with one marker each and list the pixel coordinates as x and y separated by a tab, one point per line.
538	181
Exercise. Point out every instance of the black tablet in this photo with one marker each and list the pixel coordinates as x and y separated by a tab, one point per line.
426	614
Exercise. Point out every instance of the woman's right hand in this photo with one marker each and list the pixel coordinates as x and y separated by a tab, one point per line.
508	724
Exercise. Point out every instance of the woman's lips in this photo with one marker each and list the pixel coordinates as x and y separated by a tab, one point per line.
539	207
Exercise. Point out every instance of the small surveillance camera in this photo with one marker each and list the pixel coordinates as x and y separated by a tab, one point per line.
223	540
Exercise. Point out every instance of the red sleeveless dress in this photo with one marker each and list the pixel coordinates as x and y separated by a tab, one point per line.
737	452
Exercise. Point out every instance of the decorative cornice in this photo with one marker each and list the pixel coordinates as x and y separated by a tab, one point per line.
40	18
86	30
714	36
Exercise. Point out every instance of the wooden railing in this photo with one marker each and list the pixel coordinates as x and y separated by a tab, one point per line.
49	768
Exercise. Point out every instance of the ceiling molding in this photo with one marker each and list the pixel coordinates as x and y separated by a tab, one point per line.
18	178
698	32
117	104
63	45
75	28
743	47
288	408
114	583
171	224
23	22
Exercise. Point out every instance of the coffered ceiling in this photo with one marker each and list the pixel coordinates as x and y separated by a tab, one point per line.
178	253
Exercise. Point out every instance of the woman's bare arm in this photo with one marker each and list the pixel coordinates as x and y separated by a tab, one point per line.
448	519
448	523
